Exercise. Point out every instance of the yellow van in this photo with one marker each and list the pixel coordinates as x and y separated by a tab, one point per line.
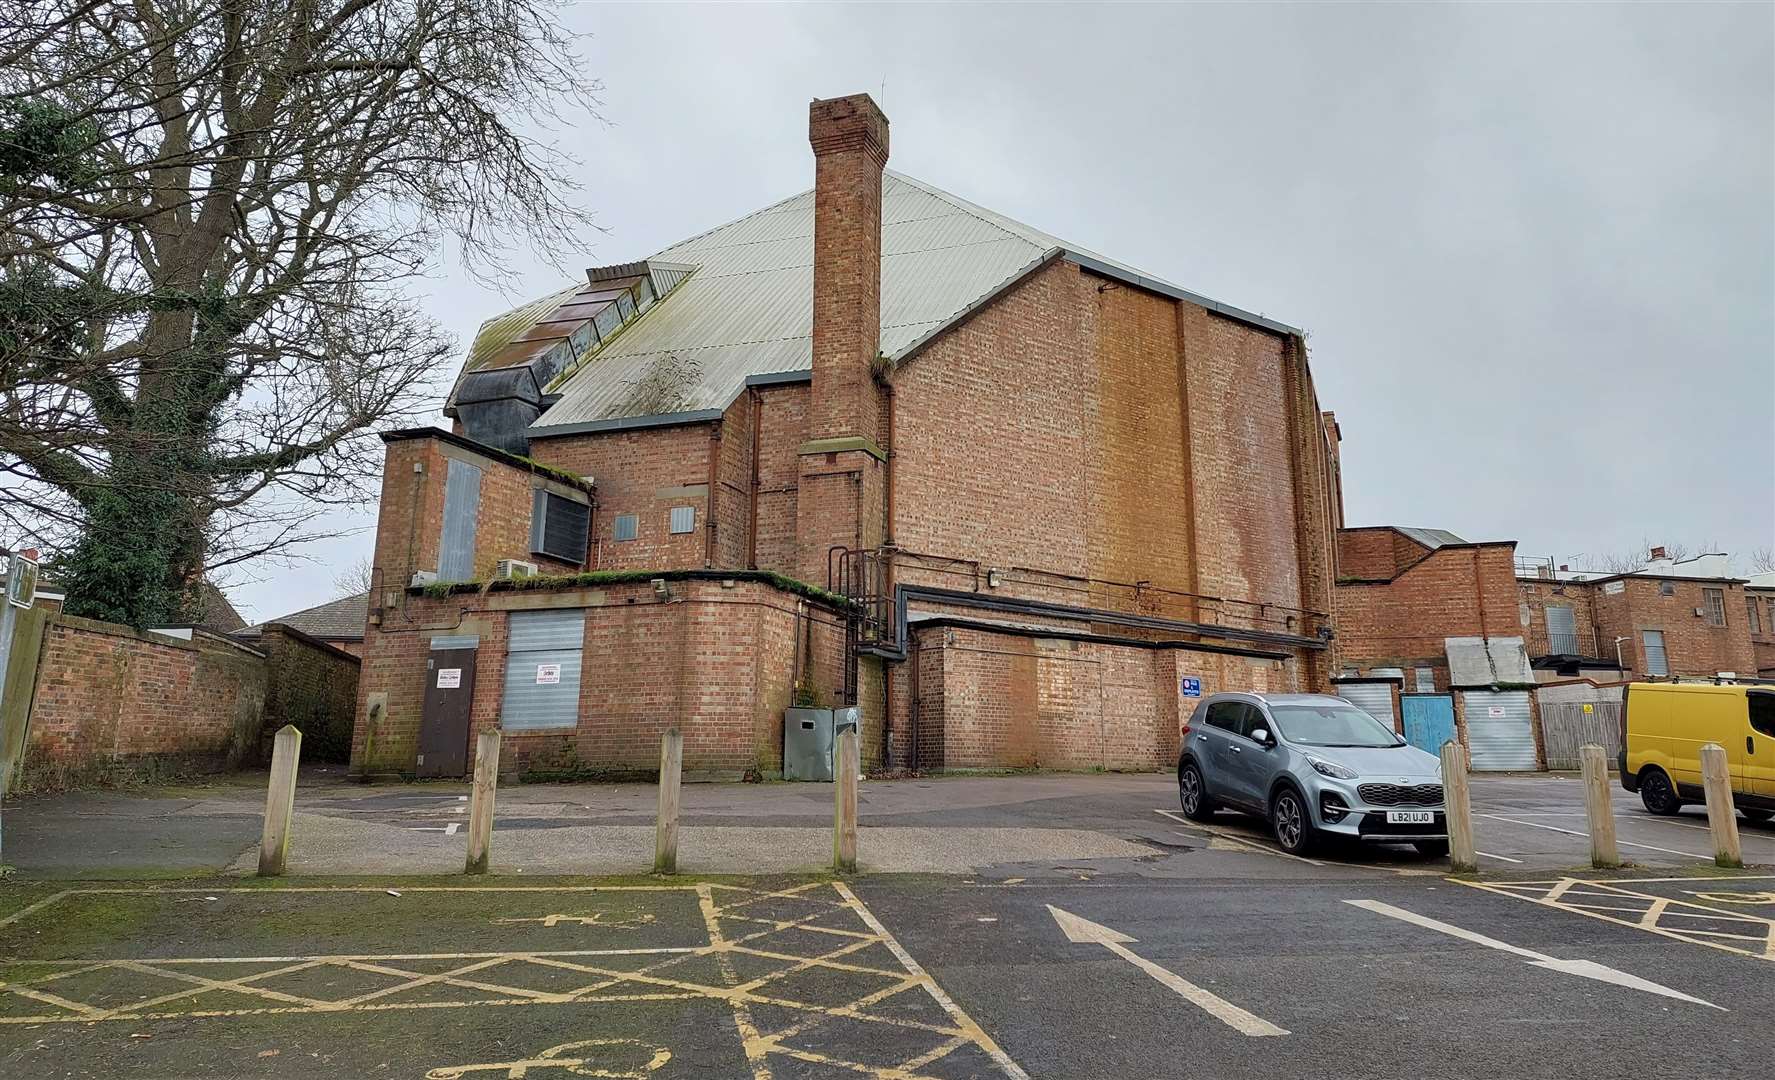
1665	725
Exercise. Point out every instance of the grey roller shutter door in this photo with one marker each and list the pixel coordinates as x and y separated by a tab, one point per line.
1375	699
1562	631
462	504
1657	663
1500	733
542	659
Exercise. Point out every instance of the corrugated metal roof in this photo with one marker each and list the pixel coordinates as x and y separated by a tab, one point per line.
747	309
1430	538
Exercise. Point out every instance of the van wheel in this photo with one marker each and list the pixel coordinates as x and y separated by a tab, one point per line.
1657	792
1756	813
1192	793
1292	823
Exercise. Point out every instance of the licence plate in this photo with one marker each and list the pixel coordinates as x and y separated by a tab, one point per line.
1410	817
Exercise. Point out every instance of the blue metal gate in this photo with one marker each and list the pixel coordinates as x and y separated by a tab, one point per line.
1429	719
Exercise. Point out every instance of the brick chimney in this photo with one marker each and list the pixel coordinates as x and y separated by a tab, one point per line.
850	142
839	500
1658	552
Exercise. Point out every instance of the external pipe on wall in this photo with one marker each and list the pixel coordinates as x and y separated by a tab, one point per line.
752	515
709	502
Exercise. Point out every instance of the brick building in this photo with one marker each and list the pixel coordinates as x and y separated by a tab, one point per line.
873	444
1669	618
1402	593
1759	603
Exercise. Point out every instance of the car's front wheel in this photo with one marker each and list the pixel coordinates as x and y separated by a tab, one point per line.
1192	793
1657	792
1290	821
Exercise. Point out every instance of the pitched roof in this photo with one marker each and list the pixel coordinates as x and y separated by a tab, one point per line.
336	620
746	309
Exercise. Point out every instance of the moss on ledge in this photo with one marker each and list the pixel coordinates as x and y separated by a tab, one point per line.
596	578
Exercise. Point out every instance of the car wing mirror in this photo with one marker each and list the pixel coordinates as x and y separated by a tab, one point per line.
1261	736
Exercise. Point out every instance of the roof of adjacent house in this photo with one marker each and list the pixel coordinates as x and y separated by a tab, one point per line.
336	620
744	310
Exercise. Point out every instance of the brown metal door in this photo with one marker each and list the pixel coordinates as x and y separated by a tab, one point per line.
444	723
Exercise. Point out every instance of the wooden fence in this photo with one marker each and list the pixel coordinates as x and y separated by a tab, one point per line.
1569	725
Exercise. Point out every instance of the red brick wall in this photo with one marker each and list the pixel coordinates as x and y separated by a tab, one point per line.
849	137
718	662
1454	592
107	694
1691	646
992	699
646	472
1536	596
782	428
312	685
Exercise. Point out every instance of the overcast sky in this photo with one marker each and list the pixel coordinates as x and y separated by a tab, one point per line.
1533	246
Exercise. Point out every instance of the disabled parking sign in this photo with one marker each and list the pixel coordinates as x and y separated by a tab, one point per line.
1191	686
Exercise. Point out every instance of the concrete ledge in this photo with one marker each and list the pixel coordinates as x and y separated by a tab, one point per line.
842	445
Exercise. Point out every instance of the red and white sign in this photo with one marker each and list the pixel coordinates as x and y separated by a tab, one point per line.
548	673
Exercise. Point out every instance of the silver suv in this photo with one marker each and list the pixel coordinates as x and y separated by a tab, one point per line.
1312	765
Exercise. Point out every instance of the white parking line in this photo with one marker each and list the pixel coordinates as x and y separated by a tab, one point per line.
1489	855
1588	969
1243	841
1586	836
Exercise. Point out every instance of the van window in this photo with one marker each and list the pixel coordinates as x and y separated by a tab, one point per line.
1762	712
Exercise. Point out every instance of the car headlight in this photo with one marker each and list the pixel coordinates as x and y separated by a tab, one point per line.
1331	769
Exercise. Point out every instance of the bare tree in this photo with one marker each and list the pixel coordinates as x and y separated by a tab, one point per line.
1762	560
1625	562
214	213
354	578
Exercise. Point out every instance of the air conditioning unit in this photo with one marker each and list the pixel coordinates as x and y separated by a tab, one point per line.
514	568
422	578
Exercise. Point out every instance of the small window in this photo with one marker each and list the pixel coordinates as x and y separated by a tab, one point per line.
1657	663
626	527
683	519
1426	680
1713	602
1667	588
559	527
1755	617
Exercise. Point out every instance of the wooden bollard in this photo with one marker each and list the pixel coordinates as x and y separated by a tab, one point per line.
1722	817
671	774
280	801
844	823
1604	851
480	804
1459	808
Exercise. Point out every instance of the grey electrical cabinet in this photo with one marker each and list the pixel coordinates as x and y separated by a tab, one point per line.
809	736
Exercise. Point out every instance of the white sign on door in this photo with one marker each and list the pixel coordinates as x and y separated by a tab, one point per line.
449	678
1494	710
548	673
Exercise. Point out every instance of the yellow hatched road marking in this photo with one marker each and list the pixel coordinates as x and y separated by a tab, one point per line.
1557	894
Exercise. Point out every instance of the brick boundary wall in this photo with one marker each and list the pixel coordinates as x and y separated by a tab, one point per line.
312	685
109	696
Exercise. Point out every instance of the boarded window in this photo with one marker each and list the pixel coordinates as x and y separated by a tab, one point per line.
683	519
462	505
1713	603
542	660
1656	662
559	527
1426	680
1562	631
626	527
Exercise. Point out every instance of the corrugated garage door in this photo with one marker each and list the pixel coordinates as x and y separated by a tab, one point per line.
1373	698
542	669
1499	731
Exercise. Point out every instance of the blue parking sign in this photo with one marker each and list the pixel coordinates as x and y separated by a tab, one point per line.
1192	686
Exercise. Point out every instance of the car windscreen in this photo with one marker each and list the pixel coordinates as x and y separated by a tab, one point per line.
1331	725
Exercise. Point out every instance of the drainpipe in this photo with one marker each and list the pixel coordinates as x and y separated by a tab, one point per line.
752	517
714	482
